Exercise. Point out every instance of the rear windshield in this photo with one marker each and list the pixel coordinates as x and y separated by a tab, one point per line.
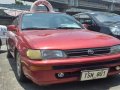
49	21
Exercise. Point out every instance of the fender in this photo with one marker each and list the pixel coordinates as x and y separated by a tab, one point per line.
41	2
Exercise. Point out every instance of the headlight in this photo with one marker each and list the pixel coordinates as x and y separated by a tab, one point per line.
45	54
115	49
115	30
34	54
52	54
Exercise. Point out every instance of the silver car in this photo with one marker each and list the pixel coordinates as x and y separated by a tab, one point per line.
3	35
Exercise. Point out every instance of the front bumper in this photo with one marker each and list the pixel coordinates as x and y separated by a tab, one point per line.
46	72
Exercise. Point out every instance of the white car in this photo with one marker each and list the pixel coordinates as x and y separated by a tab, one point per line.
3	35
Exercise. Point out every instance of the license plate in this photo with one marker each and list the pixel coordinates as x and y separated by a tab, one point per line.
94	74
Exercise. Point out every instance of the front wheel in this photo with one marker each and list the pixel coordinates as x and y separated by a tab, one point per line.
20	73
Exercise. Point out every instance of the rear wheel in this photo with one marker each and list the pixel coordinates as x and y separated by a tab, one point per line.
20	73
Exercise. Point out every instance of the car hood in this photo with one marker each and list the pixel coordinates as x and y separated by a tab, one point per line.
67	39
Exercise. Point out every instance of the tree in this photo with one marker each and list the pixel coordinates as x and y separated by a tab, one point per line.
18	2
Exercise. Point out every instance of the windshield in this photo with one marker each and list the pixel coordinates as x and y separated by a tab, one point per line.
107	17
49	21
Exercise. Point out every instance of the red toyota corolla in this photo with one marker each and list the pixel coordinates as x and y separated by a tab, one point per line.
52	48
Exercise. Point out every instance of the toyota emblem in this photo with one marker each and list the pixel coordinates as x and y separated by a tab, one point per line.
90	52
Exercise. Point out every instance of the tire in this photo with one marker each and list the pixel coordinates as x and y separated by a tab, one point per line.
9	55
0	43
20	74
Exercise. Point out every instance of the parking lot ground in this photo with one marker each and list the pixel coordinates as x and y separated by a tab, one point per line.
8	80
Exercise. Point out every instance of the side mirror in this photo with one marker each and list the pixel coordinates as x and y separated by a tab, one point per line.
11	28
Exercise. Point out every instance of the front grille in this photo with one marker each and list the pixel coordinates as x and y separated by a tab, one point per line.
87	52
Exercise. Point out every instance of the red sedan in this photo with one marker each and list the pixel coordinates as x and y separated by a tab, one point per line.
52	48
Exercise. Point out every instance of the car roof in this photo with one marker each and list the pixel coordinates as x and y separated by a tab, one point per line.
98	12
92	13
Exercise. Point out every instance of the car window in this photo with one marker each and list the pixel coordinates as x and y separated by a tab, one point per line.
15	21
49	21
84	19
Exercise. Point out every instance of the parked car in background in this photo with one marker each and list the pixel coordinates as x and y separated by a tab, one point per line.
52	47
3	35
104	22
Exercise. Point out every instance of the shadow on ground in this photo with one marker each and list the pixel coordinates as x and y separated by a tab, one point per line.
102	84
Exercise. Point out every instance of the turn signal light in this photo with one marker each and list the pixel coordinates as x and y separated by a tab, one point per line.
37	68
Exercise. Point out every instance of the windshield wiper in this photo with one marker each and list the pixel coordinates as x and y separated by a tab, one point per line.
36	28
67	28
